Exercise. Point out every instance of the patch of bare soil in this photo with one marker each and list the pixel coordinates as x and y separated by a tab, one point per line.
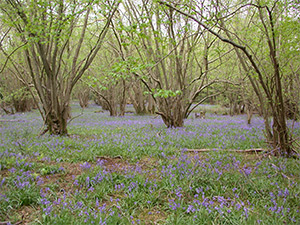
64	180
115	164
119	165
152	217
4	173
28	214
23	215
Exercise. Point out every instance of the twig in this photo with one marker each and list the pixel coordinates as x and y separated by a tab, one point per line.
229	150
8	56
11	121
76	116
7	222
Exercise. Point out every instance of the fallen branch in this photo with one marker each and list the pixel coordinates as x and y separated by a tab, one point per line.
7	222
11	121
255	150
108	158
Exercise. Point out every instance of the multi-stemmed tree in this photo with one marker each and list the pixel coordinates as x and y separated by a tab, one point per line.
174	55
53	35
259	50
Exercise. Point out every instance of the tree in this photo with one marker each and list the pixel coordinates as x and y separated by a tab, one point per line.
266	78
108	80
166	58
53	33
18	97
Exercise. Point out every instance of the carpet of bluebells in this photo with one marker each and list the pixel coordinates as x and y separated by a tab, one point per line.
133	170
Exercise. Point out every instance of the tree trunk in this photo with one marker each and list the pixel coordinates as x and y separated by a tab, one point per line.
56	123
137	98
249	111
171	111
83	97
151	105
123	99
281	140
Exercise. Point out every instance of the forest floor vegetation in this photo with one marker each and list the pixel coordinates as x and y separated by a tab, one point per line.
133	170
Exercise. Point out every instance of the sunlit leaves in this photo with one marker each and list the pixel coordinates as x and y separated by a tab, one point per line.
165	93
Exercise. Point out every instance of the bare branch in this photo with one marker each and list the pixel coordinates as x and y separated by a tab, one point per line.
8	56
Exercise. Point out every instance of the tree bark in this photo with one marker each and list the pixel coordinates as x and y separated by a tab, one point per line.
278	137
